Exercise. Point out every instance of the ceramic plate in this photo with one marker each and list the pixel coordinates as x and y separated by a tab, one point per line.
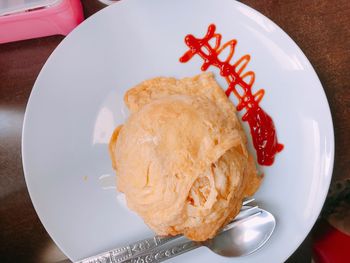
77	101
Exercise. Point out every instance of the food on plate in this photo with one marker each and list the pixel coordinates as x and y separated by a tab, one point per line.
181	158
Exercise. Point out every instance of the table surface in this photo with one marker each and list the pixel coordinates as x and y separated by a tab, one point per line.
320	28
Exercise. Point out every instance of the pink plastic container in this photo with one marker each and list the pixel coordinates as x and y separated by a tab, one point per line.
57	19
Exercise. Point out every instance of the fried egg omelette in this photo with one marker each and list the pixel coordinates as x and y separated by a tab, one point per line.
181	157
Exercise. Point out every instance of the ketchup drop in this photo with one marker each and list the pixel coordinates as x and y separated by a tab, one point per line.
261	124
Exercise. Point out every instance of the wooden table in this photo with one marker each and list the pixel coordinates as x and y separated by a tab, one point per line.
320	28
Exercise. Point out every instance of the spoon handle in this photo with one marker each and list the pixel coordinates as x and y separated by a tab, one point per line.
122	254
165	252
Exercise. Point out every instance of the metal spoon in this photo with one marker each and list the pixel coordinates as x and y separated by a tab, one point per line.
239	238
142	247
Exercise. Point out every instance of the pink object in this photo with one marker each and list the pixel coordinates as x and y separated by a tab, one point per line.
59	19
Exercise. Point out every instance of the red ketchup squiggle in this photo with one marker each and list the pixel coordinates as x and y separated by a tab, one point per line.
261	125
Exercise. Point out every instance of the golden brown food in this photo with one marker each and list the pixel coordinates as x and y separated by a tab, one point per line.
181	157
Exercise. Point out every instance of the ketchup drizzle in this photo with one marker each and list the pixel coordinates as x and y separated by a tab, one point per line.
261	124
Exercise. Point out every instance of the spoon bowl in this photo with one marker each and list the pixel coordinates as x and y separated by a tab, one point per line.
245	237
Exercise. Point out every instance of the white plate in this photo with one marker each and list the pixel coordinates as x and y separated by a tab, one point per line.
77	101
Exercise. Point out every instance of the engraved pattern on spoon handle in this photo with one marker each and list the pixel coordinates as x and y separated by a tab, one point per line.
121	254
165	252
